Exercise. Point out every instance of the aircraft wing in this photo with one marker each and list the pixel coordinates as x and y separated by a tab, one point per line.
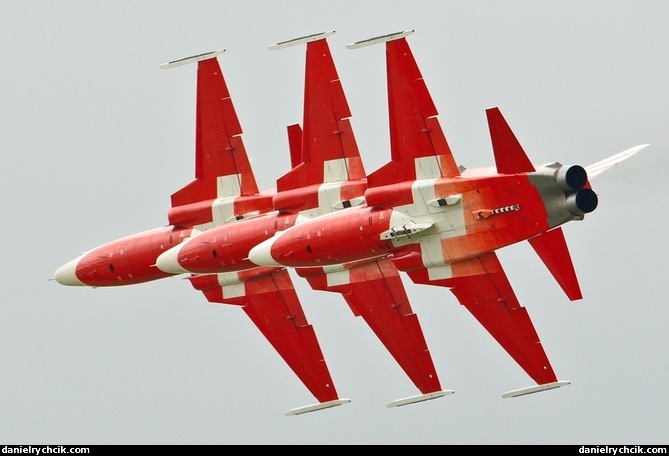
222	167
480	284
418	146
267	296
374	291
327	151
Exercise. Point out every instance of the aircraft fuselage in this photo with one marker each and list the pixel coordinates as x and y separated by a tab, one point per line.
433	222
126	261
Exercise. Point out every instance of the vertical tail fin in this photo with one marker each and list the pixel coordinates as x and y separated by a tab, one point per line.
603	165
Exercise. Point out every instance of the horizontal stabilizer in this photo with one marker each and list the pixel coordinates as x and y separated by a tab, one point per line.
535	389
603	165
295	145
510	157
316	407
419	398
553	251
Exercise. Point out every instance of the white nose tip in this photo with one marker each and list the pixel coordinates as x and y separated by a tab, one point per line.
66	274
169	261
261	253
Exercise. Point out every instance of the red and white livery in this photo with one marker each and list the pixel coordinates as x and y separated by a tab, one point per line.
441	223
327	176
353	233
224	193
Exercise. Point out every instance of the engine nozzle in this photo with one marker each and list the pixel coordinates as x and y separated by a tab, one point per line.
571	178
582	202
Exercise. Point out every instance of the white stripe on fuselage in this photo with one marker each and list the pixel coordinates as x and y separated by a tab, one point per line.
228	188
329	198
449	221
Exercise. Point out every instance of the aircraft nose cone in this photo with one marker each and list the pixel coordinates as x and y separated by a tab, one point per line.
66	274
261	254
169	261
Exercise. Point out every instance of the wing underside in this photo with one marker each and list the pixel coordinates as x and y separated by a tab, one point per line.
270	301
224	188
480	284
328	151
417	142
219	149
374	291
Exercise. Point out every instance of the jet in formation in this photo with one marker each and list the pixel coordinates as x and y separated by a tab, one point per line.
353	232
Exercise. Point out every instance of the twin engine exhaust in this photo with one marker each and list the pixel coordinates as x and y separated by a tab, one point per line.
573	180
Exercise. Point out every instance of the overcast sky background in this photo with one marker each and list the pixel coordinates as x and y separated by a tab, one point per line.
95	137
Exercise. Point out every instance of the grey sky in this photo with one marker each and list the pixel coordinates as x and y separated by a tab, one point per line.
95	138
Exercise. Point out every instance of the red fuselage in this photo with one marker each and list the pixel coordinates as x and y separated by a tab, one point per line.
429	223
126	261
226	248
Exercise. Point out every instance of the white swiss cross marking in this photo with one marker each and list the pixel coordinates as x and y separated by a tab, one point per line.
449	221
231	285
335	170
427	167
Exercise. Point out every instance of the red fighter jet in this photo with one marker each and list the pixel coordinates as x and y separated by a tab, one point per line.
327	176
223	193
219	217
441	223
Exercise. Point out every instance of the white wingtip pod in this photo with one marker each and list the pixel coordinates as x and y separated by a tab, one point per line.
535	389
419	398
192	59
379	39
300	40
316	407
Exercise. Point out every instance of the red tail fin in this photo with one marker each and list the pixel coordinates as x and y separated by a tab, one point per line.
295	144
553	251
509	154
